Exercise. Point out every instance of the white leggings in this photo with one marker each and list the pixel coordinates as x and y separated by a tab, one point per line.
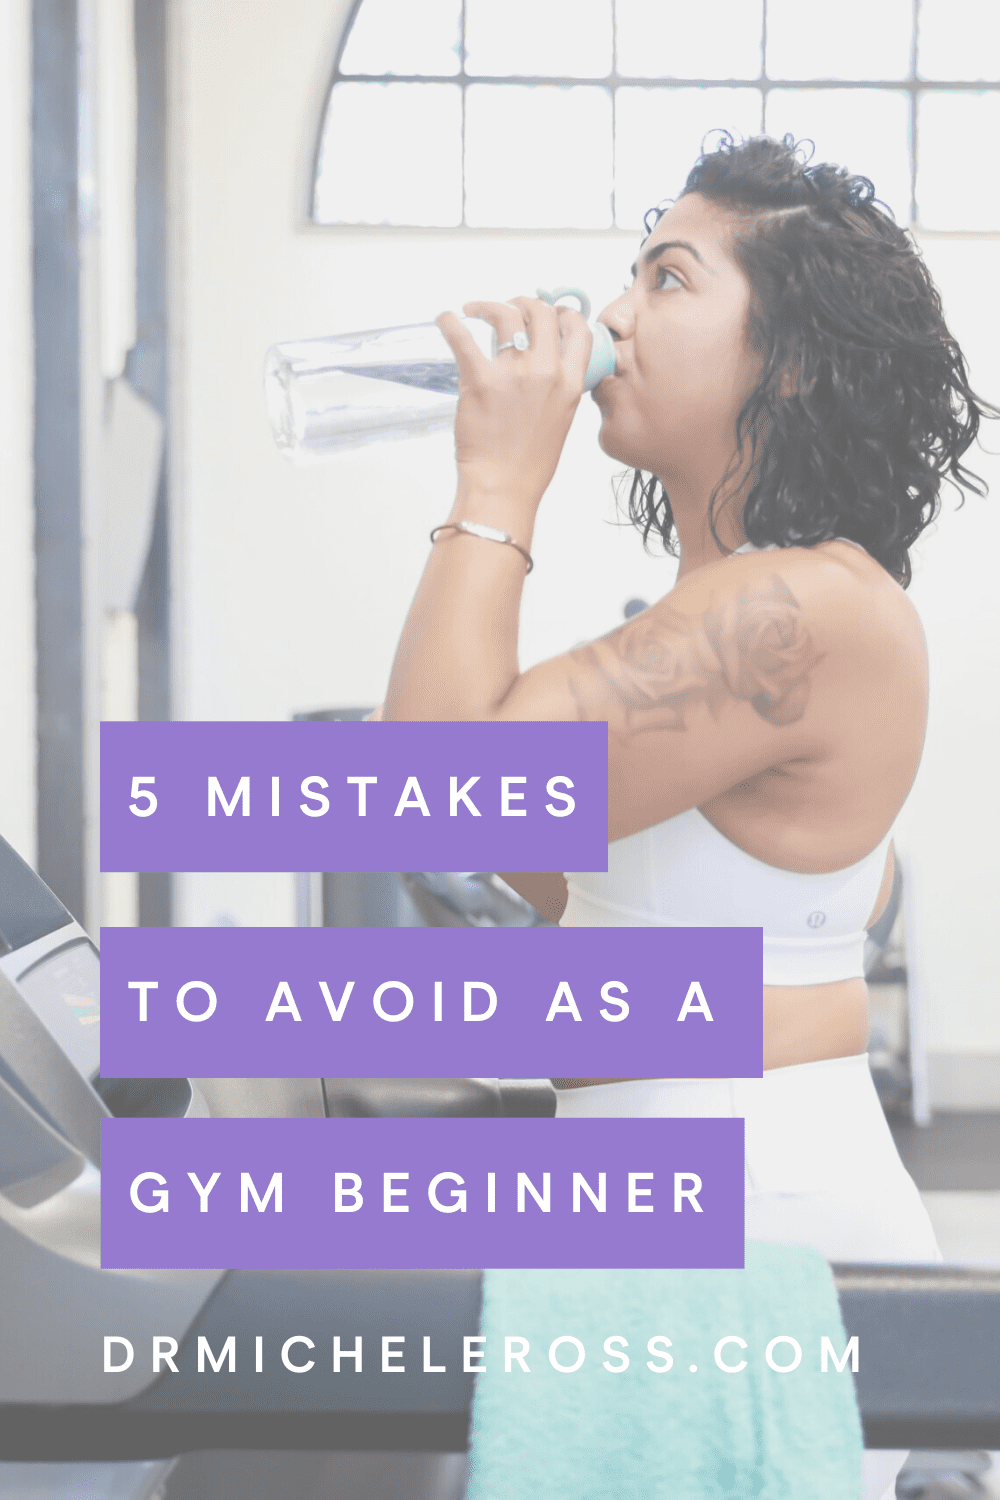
822	1168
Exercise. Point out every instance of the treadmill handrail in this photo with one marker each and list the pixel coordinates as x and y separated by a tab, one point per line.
927	1373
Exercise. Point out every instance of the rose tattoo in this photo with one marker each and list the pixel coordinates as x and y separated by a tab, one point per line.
753	648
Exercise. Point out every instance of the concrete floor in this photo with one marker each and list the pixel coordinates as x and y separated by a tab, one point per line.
955	1162
967	1225
954	1153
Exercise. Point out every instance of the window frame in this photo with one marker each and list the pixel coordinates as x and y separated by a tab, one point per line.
912	86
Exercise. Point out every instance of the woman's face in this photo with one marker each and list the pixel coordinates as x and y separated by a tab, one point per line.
683	369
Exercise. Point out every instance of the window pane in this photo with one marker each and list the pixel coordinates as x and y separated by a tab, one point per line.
953	184
658	136
681	40
538	157
400	36
391	153
858	39
959	39
865	130
538	38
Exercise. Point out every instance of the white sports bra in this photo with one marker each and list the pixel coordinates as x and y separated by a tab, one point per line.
685	873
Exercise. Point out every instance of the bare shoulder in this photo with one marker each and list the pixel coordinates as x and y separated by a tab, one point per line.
790	662
829	603
797	635
856	612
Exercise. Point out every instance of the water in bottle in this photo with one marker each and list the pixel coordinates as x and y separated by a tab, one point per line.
327	394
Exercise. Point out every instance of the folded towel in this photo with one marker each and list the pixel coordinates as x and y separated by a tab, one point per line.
687	1435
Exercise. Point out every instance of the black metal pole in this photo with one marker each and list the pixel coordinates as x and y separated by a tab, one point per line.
147	371
58	479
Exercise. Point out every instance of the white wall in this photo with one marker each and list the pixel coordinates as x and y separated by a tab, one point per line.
292	584
17	637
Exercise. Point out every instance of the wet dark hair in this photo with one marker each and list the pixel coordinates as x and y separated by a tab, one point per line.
864	405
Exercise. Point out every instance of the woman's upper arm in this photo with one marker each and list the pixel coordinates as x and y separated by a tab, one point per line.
713	685
547	892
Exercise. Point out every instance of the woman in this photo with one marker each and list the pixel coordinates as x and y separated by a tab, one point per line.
790	399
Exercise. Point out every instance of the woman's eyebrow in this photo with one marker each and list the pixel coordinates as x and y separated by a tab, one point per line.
655	251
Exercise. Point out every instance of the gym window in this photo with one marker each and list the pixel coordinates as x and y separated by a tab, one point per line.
581	114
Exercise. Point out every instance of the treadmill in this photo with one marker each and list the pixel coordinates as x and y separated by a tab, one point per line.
928	1378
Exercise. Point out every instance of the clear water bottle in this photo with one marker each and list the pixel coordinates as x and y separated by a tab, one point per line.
327	394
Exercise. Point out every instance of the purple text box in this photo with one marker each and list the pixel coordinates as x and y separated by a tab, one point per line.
672	1193
675	1002
512	796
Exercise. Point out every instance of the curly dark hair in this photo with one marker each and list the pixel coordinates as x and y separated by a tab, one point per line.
864	404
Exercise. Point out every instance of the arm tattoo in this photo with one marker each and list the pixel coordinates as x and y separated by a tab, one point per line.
752	648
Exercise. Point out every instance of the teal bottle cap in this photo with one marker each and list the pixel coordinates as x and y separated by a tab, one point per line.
602	354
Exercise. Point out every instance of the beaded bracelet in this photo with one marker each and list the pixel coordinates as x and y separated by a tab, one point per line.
488	533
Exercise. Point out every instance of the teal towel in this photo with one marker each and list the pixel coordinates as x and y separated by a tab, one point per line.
707	1435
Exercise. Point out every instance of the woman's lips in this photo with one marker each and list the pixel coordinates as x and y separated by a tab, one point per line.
605	385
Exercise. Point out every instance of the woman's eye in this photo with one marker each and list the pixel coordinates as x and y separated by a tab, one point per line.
662	277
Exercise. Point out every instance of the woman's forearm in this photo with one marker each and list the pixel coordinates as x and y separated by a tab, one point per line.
457	655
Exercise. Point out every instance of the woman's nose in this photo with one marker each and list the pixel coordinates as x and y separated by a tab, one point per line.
618	317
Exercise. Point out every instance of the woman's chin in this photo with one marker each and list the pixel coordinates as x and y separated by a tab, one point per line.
616	446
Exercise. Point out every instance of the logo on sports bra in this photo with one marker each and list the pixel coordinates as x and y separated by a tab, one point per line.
816	919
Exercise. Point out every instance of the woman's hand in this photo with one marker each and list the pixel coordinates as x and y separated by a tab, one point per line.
457	656
515	410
